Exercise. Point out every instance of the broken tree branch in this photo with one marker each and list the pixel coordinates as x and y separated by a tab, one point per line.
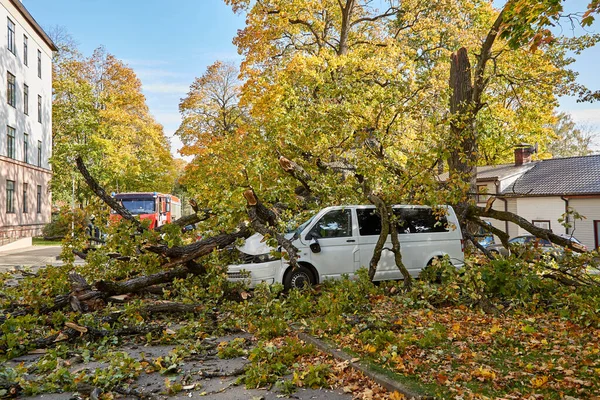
101	193
264	221
523	223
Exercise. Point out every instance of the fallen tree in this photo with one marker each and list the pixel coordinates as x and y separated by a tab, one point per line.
474	213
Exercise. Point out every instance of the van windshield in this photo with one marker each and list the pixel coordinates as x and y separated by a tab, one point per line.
299	229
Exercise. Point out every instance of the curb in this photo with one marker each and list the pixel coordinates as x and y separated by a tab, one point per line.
389	384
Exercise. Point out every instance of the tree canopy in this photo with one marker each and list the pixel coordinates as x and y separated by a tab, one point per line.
348	90
99	111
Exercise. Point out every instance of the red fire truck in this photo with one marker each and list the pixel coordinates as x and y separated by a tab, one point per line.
159	208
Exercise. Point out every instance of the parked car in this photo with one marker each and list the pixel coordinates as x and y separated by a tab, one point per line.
340	240
519	245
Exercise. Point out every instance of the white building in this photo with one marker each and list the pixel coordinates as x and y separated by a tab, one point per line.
547	193
25	122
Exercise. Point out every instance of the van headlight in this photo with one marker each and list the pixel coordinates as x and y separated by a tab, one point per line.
263	258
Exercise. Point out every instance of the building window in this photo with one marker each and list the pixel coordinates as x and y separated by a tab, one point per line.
541	223
10	196
39	199
25	187
10	142
11	93
39	64
482	193
25	147
26	99
39	158
11	36
39	108
25	52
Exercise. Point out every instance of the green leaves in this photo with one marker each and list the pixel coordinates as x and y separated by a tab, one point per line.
99	112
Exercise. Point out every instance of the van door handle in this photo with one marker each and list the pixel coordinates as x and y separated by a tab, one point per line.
350	240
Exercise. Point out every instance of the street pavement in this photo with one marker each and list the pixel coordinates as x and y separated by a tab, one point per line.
32	256
214	378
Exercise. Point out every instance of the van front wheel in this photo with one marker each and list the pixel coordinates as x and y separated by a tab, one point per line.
298	278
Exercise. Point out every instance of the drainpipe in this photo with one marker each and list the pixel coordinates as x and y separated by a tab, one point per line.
567	216
497	184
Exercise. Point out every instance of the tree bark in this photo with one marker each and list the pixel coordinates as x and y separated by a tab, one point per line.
347	11
136	284
182	254
383	235
463	155
398	255
388	226
465	103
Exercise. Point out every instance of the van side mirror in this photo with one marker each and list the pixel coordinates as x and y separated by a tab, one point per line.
315	247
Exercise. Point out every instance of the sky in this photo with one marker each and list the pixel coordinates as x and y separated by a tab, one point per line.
169	46
166	46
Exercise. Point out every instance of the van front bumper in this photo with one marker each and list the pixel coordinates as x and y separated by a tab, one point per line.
253	274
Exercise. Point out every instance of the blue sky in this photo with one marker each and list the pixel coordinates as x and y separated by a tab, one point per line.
168	44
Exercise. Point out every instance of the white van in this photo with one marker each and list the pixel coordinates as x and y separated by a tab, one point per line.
340	240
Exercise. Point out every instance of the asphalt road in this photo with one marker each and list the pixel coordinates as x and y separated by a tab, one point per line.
33	256
213	386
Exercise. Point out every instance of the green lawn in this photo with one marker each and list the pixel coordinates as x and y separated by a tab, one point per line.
38	241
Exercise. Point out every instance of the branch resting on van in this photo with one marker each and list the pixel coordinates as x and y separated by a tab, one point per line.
264	221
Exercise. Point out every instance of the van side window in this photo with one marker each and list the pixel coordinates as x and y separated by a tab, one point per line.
334	224
369	222
410	220
420	220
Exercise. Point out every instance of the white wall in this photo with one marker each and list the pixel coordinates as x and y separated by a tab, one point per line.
552	208
540	208
24	224
584	229
14	64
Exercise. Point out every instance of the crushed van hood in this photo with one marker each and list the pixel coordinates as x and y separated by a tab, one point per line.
255	245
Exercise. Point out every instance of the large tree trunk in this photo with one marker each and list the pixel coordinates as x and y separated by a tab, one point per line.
463	155
465	103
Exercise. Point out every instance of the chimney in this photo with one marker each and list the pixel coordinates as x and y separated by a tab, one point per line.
523	152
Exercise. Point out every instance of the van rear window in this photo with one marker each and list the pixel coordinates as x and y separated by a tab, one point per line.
410	220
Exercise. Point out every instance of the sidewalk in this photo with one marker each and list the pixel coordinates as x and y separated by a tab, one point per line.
32	256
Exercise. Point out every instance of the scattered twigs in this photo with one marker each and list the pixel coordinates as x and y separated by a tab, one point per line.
74	332
169	307
129	391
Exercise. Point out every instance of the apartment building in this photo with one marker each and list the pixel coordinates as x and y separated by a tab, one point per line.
25	122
